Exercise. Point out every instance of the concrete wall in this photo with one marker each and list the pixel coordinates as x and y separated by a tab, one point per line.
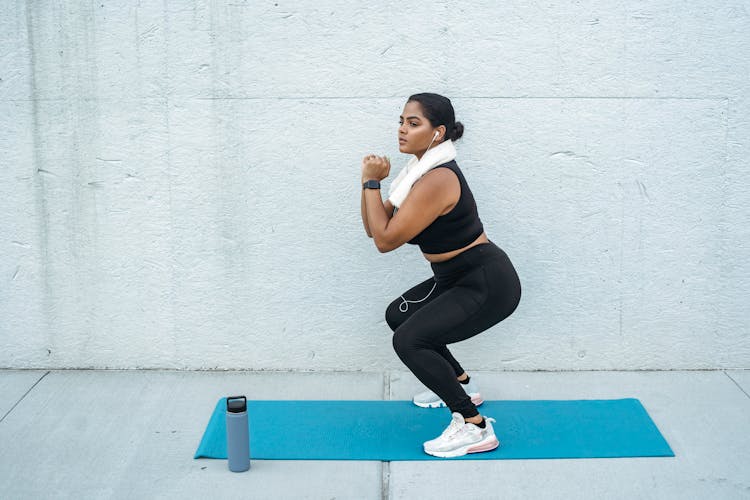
180	179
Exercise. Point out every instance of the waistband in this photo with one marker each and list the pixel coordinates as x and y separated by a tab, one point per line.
469	259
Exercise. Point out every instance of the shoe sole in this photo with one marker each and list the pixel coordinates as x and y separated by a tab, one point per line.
475	398
487	444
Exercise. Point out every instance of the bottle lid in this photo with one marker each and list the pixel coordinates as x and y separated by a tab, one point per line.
236	404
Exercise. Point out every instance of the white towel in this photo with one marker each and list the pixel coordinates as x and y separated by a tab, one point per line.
401	185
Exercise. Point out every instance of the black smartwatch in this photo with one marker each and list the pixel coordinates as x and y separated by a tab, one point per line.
371	184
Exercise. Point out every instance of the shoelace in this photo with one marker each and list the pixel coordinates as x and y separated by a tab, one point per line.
452	429
462	430
465	428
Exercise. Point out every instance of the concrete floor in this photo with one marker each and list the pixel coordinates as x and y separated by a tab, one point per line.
132	434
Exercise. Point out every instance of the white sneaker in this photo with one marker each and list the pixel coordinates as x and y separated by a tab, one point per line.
461	437
429	399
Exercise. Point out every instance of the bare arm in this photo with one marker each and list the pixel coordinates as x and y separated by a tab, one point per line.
428	198
364	215
388	211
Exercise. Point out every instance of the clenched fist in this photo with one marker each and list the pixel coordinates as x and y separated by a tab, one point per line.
375	167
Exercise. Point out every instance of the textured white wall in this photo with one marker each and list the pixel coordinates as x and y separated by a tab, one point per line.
180	180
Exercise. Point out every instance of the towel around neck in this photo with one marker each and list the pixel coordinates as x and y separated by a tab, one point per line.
401	185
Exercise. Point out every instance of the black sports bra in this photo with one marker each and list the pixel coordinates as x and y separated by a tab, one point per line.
457	228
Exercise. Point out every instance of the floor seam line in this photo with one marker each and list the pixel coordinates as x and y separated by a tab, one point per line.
24	396
737	384
385	466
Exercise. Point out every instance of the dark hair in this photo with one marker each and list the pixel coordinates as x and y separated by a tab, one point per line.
439	111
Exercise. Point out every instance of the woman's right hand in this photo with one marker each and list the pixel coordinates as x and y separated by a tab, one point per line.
375	167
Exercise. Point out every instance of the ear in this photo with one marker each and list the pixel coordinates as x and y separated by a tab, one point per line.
442	131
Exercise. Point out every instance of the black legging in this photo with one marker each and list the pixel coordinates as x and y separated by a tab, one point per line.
467	294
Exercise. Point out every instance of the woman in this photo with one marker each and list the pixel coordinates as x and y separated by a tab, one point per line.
474	285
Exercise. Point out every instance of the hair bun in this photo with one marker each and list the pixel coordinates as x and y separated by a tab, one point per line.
458	131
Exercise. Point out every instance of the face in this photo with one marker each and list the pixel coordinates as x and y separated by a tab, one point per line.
415	131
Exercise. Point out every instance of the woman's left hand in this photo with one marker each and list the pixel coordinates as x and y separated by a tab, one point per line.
375	167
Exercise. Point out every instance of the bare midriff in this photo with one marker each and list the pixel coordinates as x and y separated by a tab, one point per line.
442	257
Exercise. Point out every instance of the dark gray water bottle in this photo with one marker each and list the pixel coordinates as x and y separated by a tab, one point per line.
238	439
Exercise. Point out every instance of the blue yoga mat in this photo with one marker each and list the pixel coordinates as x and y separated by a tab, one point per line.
395	430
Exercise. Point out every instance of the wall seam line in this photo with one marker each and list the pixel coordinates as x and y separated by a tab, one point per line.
737	384
24	396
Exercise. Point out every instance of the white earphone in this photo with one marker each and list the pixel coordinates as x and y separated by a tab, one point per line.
435	136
